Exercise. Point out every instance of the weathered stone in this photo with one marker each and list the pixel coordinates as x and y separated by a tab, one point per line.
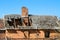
39	22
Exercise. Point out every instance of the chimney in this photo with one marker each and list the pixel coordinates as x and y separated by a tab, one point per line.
24	12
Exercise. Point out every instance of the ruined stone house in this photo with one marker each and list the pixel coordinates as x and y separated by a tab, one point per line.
30	27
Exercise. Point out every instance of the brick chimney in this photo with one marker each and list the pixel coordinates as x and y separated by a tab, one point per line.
24	12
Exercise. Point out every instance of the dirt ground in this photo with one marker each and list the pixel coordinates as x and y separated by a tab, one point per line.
19	35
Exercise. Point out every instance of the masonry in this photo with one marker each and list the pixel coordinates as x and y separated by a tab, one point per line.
29	27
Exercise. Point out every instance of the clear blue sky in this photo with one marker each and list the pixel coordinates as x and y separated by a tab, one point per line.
36	7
